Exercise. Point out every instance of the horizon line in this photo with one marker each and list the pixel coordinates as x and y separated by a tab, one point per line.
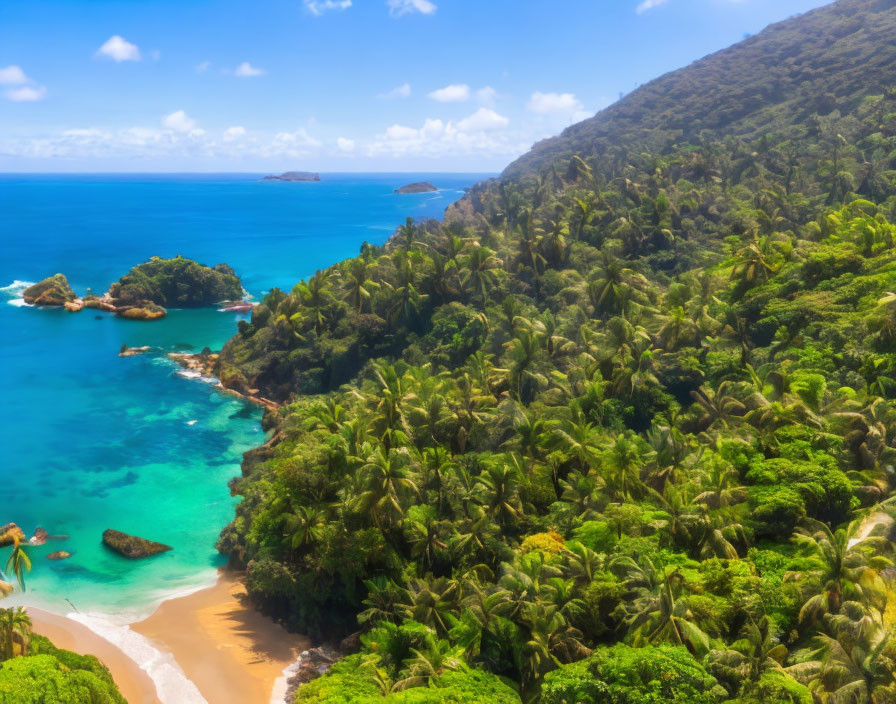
160	173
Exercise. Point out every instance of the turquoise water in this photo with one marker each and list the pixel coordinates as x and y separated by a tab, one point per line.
90	441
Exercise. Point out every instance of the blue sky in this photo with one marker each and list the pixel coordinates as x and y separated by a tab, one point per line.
331	85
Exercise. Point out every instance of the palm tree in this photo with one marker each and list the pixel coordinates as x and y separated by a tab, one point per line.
499	490
621	466
661	615
850	571
15	630
356	274
305	526
718	408
852	662
431	601
480	268
757	652
387	482
614	290
18	562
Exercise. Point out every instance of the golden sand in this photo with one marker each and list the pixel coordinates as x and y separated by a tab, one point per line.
232	653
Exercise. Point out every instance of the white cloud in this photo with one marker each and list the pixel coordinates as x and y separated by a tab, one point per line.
203	66
233	133
554	104
397	8
345	145
456	93
165	142
479	134
481	120
647	5
402	91
12	75
299	138
179	121
486	95
319	7
26	94
247	70
119	49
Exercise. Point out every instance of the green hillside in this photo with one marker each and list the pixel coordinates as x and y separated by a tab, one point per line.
621	429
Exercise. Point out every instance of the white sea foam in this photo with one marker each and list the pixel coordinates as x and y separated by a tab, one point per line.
193	374
172	685
16	286
281	684
14	292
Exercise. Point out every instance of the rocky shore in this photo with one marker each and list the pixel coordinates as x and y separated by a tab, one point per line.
206	363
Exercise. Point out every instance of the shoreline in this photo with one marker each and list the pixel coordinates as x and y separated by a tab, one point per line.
209	646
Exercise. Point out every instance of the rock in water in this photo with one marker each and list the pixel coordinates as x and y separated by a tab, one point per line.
417	187
132	546
9	533
52	291
59	555
40	537
133	351
147	312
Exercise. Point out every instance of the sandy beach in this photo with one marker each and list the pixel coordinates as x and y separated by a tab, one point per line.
226	648
134	683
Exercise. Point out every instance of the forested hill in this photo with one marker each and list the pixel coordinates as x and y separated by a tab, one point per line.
619	431
824	60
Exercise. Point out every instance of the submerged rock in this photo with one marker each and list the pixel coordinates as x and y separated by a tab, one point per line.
131	546
417	187
52	291
133	351
59	555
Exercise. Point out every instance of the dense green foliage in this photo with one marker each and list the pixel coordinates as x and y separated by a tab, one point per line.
177	283
47	675
622	427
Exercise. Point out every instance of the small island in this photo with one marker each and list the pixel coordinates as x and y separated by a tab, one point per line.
417	187
293	176
147	290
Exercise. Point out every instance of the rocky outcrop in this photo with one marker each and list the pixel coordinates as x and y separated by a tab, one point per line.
417	187
131	546
311	664
293	176
59	555
10	533
133	351
207	364
52	291
145	290
148	312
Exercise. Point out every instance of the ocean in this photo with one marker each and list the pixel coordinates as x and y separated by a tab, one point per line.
89	440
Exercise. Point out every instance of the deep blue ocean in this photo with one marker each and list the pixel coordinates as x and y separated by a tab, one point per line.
90	441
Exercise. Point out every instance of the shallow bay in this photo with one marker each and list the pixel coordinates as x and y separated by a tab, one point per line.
90	441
